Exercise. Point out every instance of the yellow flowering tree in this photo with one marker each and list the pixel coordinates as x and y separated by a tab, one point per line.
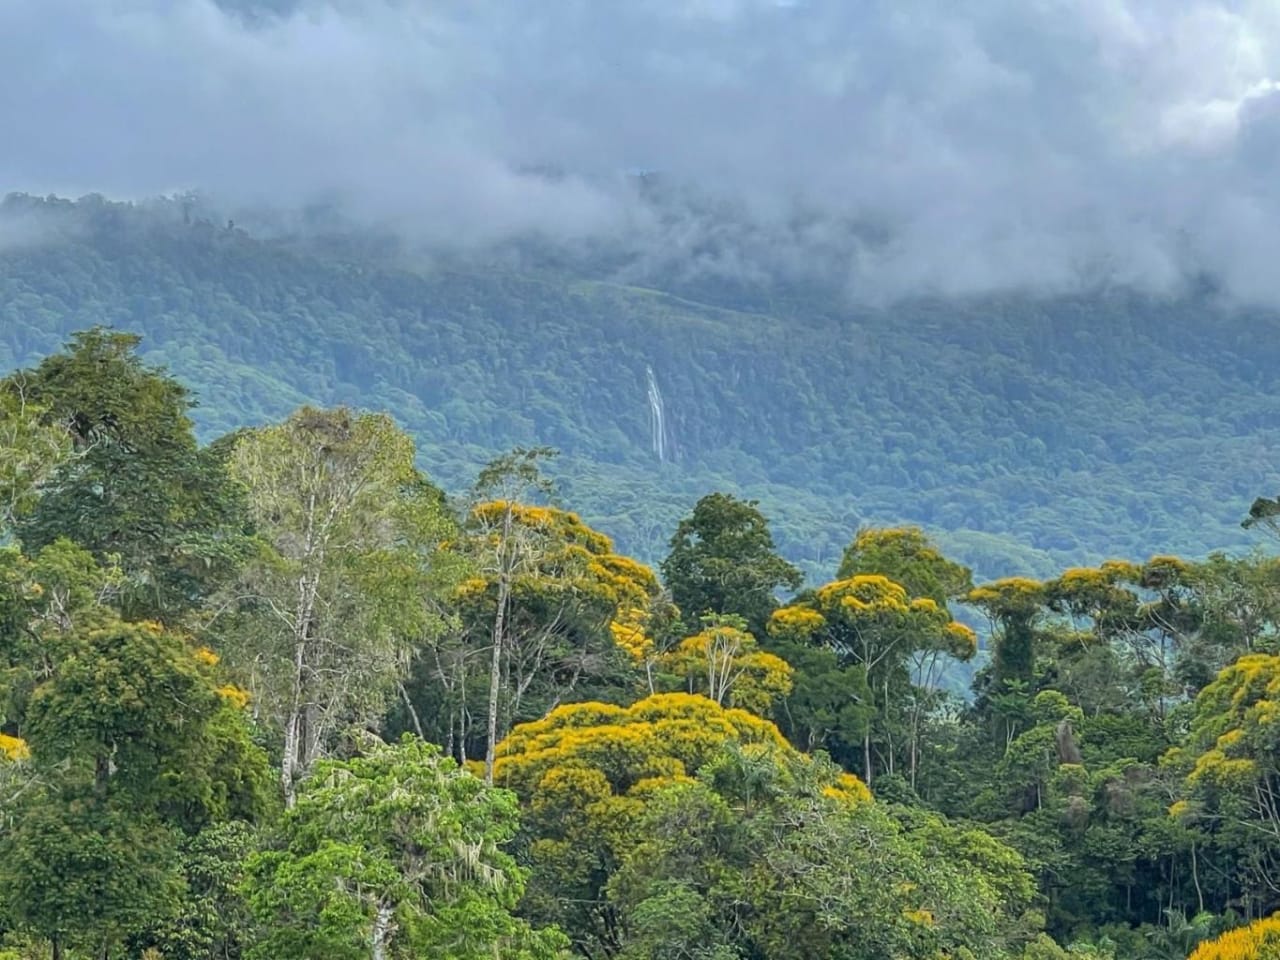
551	607
1014	606
1259	940
588	773
871	624
1230	762
724	662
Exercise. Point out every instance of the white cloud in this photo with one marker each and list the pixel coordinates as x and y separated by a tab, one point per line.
908	145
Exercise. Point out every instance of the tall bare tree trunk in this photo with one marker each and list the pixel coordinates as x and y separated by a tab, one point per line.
495	682
499	632
417	722
289	765
381	928
292	731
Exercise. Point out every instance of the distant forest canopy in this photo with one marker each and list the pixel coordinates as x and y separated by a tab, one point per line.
278	697
1026	434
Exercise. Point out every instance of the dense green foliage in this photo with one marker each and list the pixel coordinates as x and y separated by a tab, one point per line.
225	670
723	560
397	851
1030	433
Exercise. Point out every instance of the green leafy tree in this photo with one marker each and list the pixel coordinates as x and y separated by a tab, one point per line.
723	561
133	486
395	854
756	860
325	622
132	744
83	873
31	447
212	918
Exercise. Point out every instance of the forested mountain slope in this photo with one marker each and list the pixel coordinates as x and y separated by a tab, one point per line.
1085	427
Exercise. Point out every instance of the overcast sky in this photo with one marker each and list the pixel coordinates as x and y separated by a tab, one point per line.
983	144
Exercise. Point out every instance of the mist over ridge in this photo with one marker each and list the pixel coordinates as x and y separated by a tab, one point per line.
1027	432
886	149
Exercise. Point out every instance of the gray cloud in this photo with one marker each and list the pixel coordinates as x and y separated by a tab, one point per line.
904	145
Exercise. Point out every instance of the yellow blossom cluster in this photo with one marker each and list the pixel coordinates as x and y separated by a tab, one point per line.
963	641
607	750
206	656
234	695
1260	940
13	748
865	593
795	622
879	612
629	634
1006	592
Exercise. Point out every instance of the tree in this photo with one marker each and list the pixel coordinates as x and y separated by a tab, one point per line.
588	771
397	853
132	743
325	622
549	599
1231	764
907	557
868	621
509	551
137	712
722	561
132	485
212	918
838	880
722	662
84	874
750	850
1013	605
1219	610
1264	512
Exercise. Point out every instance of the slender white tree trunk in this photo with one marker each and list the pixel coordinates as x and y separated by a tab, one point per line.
292	733
495	681
290	764
499	632
381	930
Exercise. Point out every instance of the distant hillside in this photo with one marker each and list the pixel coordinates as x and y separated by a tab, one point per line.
1109	425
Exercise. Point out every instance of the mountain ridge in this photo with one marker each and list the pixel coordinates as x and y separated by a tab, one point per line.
1026	433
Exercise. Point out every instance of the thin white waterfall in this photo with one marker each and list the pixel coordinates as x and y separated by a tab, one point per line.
657	416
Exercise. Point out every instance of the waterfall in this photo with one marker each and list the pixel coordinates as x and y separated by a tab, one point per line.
657	416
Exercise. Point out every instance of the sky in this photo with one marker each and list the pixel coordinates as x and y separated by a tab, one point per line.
906	146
